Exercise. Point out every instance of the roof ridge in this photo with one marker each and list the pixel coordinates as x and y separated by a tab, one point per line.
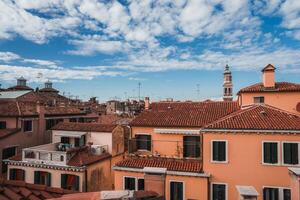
279	110
238	112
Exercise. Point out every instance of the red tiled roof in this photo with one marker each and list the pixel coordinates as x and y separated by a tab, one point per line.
67	110
85	127
15	108
48	90
184	114
17	190
9	131
85	157
279	87
181	165
19	87
258	117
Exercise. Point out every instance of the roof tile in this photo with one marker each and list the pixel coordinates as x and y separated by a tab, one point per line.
279	87
86	127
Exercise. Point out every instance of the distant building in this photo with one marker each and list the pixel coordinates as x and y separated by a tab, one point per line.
227	85
79	158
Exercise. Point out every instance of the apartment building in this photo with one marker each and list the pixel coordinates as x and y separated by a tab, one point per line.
247	149
79	158
165	150
26	117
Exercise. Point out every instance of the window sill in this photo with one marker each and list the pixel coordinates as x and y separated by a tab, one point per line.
219	162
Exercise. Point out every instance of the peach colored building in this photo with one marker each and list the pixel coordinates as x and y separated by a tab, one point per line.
284	95
79	158
165	151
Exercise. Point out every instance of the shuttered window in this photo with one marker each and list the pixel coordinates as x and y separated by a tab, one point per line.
70	182
290	153
191	146
176	190
218	192
43	178
276	194
141	184
129	183
143	142
17	174
219	151
270	152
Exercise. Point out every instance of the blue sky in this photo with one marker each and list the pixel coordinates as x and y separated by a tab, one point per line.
104	48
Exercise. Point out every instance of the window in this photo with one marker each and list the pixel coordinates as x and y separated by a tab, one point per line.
7	153
143	142
276	193
27	125
43	178
17	174
176	190
290	153
270	152
218	191
259	99
141	184
219	151
70	182
52	122
65	140
129	183
191	146
2	125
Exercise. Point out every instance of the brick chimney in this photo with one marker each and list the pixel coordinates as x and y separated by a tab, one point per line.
268	74
147	103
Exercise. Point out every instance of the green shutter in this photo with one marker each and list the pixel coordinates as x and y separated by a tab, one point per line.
63	181
77	183
36	177
49	179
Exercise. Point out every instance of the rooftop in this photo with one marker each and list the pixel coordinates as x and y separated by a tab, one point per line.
171	164
12	94
84	127
279	87
8	131
184	114
12	190
258	117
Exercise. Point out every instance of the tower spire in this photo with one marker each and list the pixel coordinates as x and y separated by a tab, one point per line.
227	85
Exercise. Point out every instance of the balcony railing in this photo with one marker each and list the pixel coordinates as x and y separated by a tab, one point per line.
164	148
54	153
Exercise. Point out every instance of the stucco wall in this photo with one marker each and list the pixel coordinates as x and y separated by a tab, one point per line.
244	165
283	100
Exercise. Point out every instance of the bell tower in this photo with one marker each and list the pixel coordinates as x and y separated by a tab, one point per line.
227	85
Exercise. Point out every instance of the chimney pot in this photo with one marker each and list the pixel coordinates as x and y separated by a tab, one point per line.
147	103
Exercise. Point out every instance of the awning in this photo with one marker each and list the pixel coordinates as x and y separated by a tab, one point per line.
70	134
177	131
247	190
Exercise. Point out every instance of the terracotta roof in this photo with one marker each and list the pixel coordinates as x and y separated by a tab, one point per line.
67	110
279	87
85	157
258	117
85	127
7	132
48	90
19	190
182	165
184	114
43	97
15	108
19	87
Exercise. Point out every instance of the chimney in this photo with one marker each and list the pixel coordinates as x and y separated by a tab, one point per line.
147	103
268	74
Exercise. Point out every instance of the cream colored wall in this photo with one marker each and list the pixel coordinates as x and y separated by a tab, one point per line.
194	187
283	100
244	165
173	142
55	175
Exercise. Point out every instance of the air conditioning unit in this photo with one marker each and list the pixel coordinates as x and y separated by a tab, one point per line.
97	149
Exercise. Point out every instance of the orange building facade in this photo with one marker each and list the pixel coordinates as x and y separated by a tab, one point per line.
248	149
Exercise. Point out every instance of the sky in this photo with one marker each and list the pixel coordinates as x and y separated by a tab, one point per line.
174	48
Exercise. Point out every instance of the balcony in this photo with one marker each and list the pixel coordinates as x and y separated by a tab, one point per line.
165	148
53	154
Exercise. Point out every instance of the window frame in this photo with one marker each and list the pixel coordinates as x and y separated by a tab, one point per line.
151	141
212	153
259	99
183	187
278	153
135	182
196	146
282	153
218	183
280	190
23	128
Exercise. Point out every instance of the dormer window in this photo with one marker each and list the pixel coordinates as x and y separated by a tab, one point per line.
259	99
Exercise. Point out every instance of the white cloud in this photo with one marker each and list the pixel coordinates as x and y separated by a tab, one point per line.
8	56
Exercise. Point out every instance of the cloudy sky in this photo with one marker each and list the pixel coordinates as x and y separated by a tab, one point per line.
105	48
